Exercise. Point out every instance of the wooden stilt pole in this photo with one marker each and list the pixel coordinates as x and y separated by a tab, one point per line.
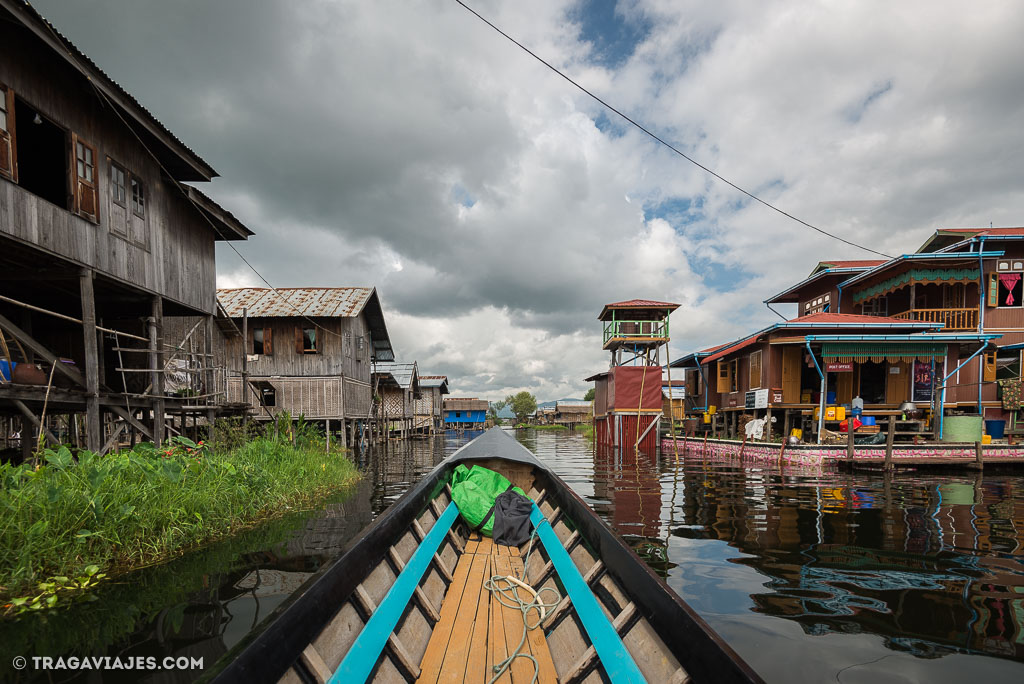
93	427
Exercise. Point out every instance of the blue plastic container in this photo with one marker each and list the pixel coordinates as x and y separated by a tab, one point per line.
5	370
867	420
830	398
995	429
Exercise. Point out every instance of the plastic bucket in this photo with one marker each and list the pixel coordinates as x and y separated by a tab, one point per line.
995	428
868	420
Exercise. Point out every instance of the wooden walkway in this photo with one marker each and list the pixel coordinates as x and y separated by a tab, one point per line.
476	631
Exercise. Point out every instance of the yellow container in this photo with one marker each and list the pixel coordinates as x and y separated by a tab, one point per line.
817	412
796	432
840	413
712	410
830	413
986	439
707	418
805	398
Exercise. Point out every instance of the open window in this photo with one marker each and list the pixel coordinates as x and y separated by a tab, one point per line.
8	155
39	153
86	198
306	340
262	341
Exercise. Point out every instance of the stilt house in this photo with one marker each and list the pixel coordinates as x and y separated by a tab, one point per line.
465	413
100	244
941	328
398	387
307	350
427	414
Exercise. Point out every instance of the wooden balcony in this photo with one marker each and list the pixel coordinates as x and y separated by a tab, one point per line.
954	319
635	332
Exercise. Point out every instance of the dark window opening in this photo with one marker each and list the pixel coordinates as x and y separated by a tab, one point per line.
309	340
257	341
268	397
1007	365
872	382
1011	289
42	155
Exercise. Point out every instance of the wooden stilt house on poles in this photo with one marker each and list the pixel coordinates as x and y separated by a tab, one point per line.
308	351
101	246
397	387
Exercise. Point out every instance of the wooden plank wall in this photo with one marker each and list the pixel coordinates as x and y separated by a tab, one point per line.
173	252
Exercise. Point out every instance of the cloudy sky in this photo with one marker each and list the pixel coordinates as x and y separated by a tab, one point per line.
404	144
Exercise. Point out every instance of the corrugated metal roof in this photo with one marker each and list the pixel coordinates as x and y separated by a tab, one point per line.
403	373
434	381
465	404
262	302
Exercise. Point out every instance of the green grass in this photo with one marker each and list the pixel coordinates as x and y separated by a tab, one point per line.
136	508
547	427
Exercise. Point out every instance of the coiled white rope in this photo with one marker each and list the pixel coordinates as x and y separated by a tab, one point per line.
507	587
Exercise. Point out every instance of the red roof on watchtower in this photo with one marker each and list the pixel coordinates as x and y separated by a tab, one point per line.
634	304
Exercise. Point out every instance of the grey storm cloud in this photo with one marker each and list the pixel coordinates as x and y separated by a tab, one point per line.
407	146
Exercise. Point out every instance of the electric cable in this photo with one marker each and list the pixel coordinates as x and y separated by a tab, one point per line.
663	141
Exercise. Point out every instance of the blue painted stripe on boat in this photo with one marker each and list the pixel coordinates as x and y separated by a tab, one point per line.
360	659
612	653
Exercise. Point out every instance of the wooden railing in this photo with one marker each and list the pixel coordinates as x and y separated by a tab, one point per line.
635	329
954	319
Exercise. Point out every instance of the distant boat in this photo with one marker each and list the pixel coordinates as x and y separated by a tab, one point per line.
408	601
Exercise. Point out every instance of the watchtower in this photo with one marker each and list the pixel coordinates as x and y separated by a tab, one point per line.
627	398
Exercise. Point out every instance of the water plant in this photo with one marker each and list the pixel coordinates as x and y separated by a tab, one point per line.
134	508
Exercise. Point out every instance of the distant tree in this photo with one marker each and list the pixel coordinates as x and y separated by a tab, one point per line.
589	396
492	411
522	404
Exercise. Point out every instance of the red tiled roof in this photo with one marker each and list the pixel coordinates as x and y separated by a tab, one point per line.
637	303
742	344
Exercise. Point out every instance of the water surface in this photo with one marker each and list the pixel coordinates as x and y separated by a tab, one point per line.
812	576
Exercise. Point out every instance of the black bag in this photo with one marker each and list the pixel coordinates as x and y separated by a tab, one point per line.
511	519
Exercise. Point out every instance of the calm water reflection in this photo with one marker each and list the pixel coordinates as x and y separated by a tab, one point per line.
811	576
815	576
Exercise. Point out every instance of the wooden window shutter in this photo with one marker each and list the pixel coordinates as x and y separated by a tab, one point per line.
84	175
298	339
993	290
268	341
755	370
8	143
990	367
724	376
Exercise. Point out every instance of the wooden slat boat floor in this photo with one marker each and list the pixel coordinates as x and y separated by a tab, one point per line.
476	631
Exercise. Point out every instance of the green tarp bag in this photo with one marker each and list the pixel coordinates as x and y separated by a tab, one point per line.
474	491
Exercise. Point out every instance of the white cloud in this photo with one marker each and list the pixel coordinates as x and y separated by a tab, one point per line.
408	146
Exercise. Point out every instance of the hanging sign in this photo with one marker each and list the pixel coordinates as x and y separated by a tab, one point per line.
839	366
923	379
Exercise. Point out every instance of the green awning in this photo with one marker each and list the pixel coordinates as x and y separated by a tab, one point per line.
894	352
917	275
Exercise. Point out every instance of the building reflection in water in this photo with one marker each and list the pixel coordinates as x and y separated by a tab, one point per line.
933	564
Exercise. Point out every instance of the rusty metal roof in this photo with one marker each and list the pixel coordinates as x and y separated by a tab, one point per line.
286	302
404	374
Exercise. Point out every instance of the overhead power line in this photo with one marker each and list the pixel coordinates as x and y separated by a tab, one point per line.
662	140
